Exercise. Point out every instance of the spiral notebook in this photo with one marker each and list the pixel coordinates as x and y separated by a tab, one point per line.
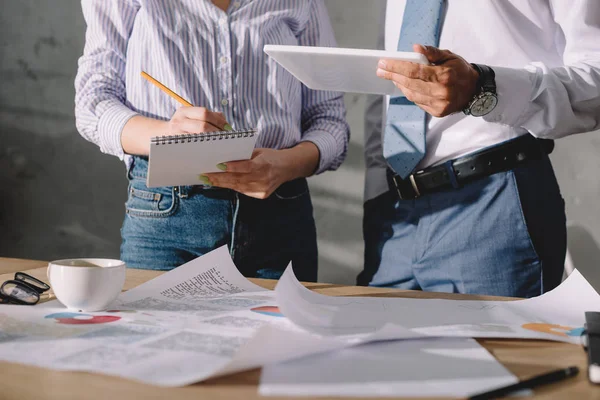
178	160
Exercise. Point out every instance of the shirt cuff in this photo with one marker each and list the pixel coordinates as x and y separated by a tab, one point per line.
113	117
514	88
329	155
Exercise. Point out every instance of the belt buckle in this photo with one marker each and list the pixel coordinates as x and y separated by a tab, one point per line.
406	192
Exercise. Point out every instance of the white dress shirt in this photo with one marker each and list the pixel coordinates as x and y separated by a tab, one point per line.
546	55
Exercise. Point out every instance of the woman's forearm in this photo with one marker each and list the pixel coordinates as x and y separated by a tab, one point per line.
137	132
302	160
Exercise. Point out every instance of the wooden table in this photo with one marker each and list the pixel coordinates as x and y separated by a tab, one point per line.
523	358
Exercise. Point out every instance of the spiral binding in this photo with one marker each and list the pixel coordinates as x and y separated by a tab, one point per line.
201	137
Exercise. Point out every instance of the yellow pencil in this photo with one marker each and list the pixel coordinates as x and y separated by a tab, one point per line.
166	90
174	95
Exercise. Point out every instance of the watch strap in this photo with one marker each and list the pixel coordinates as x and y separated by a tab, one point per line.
487	78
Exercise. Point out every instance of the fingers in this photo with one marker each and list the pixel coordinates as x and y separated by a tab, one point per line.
386	69
202	114
420	48
433	54
440	89
239	167
417	71
258	177
416	97
241	183
196	120
433	106
417	85
228	180
192	126
245	166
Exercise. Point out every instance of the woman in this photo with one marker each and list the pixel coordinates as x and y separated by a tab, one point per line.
210	52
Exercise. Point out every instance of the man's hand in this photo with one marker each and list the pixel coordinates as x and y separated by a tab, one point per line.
440	89
268	169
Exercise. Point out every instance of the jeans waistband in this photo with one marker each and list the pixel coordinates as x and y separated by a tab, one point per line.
139	170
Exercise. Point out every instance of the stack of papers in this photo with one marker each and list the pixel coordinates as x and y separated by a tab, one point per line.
557	315
414	368
204	319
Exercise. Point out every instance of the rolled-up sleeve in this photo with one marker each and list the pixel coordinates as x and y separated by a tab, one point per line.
323	112
555	102
100	95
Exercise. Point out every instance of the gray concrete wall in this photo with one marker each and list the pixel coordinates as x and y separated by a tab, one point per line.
60	197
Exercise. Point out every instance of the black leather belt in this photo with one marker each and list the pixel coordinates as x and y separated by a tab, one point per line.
461	171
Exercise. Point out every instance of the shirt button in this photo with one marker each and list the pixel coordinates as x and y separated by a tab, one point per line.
224	102
224	60
222	21
236	4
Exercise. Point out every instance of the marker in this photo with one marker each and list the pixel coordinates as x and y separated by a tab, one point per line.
550	377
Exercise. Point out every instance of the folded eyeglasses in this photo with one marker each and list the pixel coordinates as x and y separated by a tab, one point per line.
23	290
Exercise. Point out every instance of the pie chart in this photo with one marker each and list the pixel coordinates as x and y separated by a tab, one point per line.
69	318
271	311
554	329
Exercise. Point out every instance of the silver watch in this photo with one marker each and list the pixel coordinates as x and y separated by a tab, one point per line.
486	99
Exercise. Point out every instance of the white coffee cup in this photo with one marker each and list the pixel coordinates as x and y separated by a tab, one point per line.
86	284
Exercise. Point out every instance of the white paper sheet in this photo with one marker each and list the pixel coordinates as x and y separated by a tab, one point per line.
200	320
556	315
185	326
433	367
205	319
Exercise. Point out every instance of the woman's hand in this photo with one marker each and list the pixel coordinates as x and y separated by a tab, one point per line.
195	120
137	132
268	169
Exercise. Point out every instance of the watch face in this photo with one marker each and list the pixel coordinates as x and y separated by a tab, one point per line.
484	104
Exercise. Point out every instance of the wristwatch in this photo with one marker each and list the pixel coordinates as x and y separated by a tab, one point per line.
486	99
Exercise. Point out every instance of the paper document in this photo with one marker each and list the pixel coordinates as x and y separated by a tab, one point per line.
200	320
556	315
204	319
446	367
195	322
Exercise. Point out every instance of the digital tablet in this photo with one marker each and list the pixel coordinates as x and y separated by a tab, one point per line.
342	70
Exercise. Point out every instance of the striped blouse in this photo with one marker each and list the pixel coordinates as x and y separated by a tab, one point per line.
212	58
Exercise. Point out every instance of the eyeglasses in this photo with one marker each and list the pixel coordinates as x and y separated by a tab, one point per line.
23	290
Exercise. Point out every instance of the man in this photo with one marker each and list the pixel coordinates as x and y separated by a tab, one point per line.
460	192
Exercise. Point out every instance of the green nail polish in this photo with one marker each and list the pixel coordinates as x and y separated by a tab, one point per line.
204	179
222	166
228	127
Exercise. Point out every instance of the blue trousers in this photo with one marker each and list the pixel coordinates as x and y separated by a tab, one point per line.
502	235
169	226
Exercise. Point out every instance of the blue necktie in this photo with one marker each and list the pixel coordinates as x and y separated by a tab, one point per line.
404	138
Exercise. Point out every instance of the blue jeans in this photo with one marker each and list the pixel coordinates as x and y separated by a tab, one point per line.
502	235
169	226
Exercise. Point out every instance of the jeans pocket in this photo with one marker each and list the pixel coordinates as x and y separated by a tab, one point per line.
150	203
522	228
292	190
